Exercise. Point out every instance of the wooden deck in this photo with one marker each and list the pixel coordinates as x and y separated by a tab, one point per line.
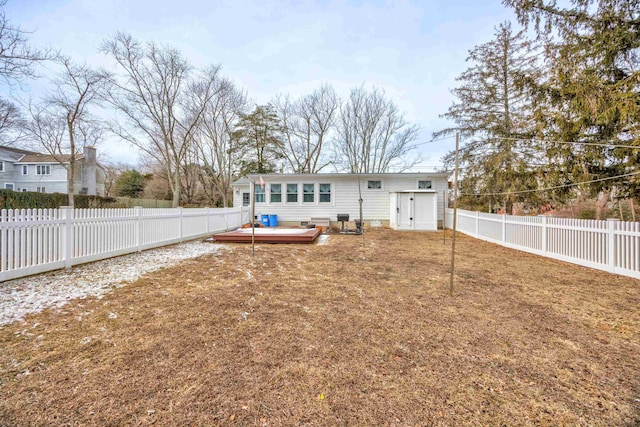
270	235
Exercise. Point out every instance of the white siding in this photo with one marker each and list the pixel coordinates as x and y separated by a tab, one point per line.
344	196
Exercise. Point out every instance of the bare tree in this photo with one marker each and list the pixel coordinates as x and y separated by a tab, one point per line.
111	174
65	115
16	63
307	124
16	56
154	95
217	149
373	134
11	122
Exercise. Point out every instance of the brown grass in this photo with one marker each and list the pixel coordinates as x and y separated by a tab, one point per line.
337	335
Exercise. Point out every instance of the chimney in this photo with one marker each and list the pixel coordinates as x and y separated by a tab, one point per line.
89	170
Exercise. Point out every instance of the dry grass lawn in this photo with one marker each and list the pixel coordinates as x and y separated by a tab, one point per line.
337	335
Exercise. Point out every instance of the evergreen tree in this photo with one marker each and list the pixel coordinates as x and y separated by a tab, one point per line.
130	184
494	113
592	93
259	136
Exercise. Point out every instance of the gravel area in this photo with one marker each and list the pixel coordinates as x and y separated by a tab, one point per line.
32	294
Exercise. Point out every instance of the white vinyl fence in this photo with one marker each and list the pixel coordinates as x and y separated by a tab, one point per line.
609	245
37	240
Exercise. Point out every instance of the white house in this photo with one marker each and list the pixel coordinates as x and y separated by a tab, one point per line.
413	201
22	170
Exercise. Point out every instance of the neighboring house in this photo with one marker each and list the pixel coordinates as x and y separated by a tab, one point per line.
412	201
22	170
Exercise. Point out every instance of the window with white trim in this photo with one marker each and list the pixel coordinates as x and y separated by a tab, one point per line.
308	193
259	197
276	193
1	166
40	190
292	193
374	185
424	185
325	193
9	186
25	170
24	190
43	170
246	199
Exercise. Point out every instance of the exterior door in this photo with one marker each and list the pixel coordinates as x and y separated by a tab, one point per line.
425	211
405	211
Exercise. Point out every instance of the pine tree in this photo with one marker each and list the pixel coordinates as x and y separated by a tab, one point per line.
592	92
494	114
259	137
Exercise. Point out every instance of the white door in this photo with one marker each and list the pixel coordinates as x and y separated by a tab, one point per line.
405	211
425	211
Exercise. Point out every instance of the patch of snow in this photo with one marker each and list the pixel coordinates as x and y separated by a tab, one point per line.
54	289
323	239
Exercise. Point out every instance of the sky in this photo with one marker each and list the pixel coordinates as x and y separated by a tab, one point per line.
412	49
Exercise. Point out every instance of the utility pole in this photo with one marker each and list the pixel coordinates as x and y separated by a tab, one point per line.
455	217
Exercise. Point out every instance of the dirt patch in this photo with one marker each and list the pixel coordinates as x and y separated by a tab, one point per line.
337	335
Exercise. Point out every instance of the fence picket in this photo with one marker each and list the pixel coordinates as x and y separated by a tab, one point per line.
38	240
609	245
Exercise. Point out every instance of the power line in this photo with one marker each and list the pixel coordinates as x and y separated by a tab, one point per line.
596	144
504	193
432	141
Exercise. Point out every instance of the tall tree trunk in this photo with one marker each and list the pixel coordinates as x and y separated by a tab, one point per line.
601	204
176	189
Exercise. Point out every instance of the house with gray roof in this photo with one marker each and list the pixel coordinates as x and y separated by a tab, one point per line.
24	170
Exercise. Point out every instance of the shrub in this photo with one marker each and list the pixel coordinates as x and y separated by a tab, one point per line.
10	199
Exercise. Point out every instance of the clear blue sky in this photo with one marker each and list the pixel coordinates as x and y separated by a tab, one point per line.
413	49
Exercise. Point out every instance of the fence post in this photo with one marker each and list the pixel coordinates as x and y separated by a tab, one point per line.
611	243
477	223
544	234
66	213
208	220
180	231
226	218
504	228
138	213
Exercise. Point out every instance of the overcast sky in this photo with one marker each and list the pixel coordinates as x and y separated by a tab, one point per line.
413	49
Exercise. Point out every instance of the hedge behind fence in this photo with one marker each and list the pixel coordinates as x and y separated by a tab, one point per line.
29	200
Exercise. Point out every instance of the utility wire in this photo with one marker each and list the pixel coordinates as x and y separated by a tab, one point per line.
551	188
596	144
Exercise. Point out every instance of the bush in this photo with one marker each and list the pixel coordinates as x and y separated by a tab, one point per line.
587	214
10	199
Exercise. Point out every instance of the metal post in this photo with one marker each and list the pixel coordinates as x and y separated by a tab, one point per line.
455	217
253	217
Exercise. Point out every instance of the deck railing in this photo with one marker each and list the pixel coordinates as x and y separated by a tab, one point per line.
37	240
609	245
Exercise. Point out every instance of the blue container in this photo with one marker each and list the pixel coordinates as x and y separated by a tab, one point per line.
273	220
265	220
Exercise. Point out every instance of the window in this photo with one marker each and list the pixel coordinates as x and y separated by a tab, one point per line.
40	190
308	192
25	170
1	166
246	198
276	193
9	186
325	193
292	193
374	185
43	170
424	185
259	194
24	190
